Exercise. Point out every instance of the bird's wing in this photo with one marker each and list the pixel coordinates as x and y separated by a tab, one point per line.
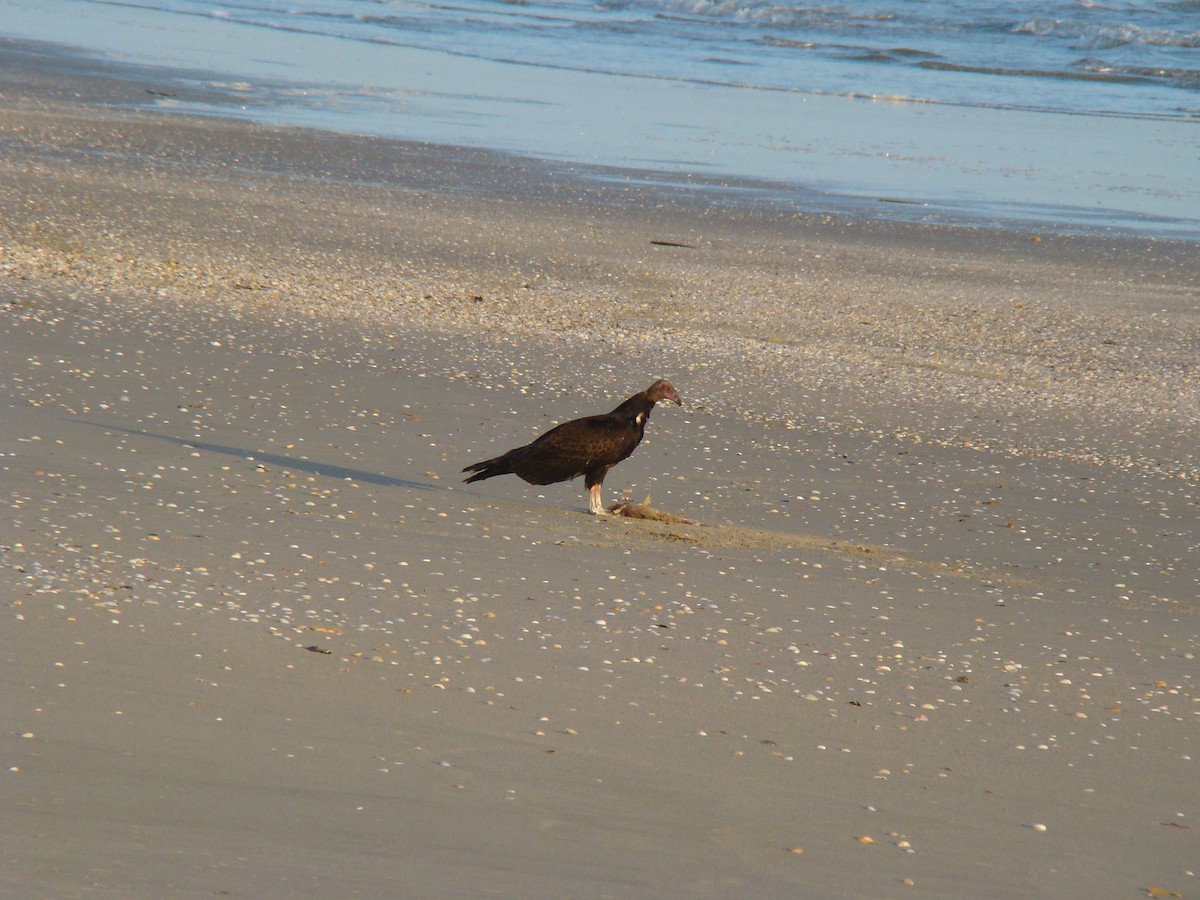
566	451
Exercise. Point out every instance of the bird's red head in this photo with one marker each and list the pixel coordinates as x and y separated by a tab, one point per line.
662	390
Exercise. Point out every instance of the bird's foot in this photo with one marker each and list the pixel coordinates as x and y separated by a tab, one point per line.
595	504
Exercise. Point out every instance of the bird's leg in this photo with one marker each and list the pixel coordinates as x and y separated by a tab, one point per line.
595	504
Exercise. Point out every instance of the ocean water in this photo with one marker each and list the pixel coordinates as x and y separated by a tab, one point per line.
1076	114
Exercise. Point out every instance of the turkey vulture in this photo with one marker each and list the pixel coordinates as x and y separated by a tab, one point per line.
589	446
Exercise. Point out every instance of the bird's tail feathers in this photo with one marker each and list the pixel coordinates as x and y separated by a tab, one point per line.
489	468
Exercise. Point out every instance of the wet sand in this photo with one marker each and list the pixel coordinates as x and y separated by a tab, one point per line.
934	631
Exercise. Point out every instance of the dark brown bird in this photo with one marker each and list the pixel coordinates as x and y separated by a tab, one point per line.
589	446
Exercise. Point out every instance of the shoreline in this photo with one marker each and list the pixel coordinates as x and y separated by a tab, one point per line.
935	630
202	95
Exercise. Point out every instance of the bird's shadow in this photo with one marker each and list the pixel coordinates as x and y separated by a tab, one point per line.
284	462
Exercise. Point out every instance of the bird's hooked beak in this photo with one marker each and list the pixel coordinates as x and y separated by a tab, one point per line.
672	397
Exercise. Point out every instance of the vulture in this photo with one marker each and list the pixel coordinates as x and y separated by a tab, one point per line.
589	446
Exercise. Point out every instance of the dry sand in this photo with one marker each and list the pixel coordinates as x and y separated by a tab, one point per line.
933	634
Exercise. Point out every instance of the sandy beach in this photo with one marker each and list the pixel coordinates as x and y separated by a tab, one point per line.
931	631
